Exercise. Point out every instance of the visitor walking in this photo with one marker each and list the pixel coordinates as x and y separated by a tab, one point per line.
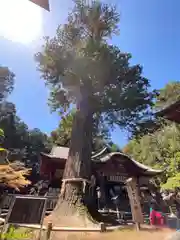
156	216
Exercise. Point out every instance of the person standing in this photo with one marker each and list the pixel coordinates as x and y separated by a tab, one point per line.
156	215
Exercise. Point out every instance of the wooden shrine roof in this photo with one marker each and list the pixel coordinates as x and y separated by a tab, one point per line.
42	3
171	112
103	156
146	169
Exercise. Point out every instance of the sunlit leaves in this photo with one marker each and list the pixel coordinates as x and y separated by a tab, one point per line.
160	149
14	178
12	175
80	56
168	95
62	135
172	183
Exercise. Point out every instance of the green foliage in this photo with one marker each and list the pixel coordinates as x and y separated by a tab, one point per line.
1	133
168	95
24	144
164	97
113	147
161	148
6	82
172	183
62	135
36	143
148	125
79	64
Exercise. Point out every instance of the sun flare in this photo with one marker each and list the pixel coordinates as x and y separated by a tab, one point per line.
20	20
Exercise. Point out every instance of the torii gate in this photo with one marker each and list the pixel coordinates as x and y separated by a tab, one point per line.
42	3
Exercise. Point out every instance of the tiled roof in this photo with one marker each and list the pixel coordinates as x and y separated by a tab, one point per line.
138	164
168	108
102	156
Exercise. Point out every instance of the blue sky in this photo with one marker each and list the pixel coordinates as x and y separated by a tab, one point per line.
149	30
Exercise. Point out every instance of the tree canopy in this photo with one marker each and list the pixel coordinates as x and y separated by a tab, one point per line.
23	144
161	149
80	56
81	69
62	135
168	95
6	82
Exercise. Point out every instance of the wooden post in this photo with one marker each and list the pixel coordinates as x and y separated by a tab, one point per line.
42	219
103	227
5	227
117	212
134	199
49	229
138	226
102	190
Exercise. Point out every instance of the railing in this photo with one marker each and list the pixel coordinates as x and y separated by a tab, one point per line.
50	228
51	203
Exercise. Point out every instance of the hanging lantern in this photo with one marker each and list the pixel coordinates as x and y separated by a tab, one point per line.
42	3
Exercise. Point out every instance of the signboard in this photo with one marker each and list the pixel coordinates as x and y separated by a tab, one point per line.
134	199
27	210
117	178
42	3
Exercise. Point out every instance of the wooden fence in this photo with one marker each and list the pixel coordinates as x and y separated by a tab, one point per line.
50	228
51	202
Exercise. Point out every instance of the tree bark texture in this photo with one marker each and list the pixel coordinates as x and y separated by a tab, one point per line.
71	204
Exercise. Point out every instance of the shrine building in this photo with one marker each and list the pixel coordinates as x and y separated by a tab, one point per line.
172	112
114	166
111	170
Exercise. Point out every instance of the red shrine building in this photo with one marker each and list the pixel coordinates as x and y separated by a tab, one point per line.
114	166
110	171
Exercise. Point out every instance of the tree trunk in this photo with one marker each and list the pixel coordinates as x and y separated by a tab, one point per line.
71	209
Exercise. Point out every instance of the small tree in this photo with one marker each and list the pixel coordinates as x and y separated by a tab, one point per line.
12	175
82	68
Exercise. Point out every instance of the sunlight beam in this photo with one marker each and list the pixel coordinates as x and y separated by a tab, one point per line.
20	21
